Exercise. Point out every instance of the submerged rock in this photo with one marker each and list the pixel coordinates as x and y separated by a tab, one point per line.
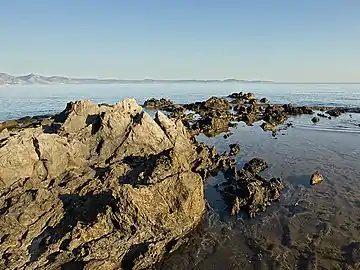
108	188
316	178
315	119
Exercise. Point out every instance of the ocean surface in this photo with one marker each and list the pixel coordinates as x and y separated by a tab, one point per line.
312	227
22	100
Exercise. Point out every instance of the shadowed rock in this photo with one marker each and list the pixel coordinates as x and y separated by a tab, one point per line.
246	190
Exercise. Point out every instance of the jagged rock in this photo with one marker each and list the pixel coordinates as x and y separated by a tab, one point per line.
210	162
109	188
316	178
246	190
315	119
214	123
234	149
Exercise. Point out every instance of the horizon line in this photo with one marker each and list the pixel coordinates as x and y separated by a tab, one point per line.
184	79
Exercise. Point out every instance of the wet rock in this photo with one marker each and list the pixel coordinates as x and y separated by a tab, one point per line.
336	112
316	178
234	149
322	115
210	105
218	104
315	119
256	165
154	103
264	100
209	161
240	109
295	110
111	188
267	126
227	135
246	190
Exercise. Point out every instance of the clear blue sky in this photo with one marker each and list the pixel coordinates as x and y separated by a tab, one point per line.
282	40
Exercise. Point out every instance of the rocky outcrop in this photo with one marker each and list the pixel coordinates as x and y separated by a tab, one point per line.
246	190
154	103
214	117
210	105
101	187
336	112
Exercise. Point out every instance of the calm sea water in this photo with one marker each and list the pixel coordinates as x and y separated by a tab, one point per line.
18	101
310	228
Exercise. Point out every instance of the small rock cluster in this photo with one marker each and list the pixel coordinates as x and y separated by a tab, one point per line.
245	190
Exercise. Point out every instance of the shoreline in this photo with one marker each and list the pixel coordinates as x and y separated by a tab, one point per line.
129	157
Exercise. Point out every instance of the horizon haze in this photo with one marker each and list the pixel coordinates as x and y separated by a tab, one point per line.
278	41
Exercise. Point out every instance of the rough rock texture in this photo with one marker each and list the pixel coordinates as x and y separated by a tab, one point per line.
214	117
246	190
211	104
102	187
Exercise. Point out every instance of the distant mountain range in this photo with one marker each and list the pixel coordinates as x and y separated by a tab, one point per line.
6	79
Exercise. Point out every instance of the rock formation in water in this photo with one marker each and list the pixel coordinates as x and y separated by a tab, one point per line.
102	187
246	190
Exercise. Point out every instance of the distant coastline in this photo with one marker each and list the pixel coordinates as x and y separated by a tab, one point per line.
35	79
6	79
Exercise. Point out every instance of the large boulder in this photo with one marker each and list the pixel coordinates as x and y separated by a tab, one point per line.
107	187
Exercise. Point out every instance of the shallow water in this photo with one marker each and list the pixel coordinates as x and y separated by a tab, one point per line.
312	227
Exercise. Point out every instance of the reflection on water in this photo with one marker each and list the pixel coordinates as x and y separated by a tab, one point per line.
312	227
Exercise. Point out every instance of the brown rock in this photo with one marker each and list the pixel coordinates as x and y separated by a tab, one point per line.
316	178
110	188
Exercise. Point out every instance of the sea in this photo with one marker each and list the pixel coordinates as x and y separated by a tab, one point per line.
311	227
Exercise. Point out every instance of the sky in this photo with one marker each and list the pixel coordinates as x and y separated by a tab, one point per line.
278	40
